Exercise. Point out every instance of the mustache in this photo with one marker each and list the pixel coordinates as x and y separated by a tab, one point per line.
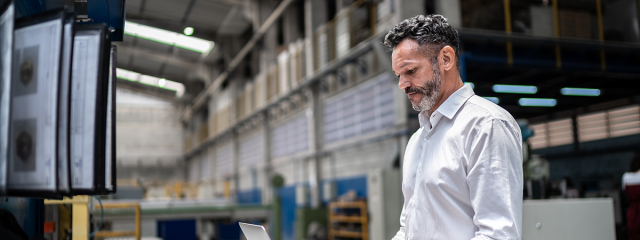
415	90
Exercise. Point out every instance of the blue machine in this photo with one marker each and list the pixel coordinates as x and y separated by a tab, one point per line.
28	212
96	11
177	229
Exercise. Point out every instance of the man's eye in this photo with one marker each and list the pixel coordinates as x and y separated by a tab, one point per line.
412	70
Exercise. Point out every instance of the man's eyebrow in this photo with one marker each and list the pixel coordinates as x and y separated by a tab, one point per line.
401	67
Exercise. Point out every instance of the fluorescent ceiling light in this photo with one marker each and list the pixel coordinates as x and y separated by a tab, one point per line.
472	85
591	92
493	99
162	82
151	81
502	88
188	31
127	75
537	102
168	37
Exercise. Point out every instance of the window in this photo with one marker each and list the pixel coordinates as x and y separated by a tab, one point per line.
363	109
551	134
560	132
205	168
539	139
291	137
193	169
624	121
592	126
251	150
224	160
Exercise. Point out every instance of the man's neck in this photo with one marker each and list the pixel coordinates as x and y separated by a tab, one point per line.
449	87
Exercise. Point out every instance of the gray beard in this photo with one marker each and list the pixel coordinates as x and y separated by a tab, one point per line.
429	93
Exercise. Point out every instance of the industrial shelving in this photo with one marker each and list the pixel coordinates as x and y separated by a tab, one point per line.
338	216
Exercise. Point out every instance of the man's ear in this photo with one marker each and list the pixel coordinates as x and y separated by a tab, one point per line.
447	58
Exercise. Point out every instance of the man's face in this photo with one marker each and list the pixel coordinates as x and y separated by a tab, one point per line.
418	78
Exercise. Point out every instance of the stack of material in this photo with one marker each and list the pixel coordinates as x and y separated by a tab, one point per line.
575	24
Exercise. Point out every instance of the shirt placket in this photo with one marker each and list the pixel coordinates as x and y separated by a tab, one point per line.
416	189
432	122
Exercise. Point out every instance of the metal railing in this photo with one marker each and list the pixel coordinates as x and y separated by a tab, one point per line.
110	234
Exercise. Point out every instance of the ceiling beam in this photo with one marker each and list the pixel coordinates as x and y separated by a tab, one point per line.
142	5
187	13
149	90
195	70
227	20
206	32
172	60
203	96
172	77
228	2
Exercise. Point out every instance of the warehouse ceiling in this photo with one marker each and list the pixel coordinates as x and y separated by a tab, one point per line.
601	73
210	19
613	90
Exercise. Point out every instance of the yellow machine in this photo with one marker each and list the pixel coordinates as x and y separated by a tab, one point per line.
79	222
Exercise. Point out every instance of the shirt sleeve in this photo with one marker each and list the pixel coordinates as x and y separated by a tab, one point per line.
401	233
495	180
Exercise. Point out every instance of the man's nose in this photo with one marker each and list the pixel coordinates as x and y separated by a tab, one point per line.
402	84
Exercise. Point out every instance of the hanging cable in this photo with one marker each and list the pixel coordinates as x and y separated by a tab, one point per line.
101	217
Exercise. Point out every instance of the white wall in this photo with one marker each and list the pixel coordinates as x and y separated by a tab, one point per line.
147	130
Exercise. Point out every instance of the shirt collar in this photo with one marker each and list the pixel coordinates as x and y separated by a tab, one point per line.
449	107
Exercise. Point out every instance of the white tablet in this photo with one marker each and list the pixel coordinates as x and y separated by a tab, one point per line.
254	232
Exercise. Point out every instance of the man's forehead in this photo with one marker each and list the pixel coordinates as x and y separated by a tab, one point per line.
407	52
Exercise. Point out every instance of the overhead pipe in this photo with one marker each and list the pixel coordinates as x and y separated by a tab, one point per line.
202	97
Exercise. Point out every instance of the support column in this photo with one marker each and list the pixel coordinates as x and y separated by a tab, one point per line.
255	15
269	191
270	38
450	9
315	14
291	24
236	87
316	123
556	33
410	8
340	4
236	163
211	152
80	218
603	57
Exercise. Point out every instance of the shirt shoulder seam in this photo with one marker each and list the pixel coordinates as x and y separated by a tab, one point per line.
490	114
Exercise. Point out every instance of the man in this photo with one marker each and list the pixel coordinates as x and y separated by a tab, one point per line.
462	173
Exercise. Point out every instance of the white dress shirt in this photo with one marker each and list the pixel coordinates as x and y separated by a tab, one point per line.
630	178
462	173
